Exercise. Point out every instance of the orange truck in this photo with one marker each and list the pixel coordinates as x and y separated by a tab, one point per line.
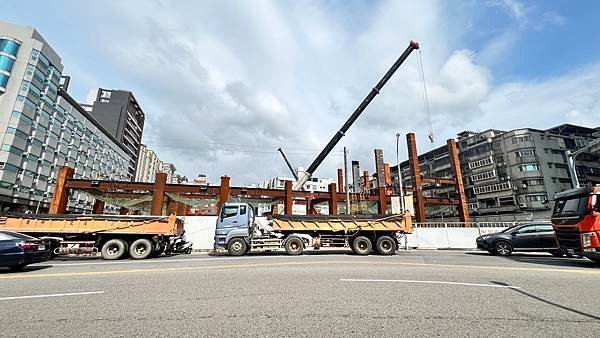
576	221
115	236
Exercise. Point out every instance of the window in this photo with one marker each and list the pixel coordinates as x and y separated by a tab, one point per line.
492	188
506	201
483	176
3	80
536	198
16	132
11	168
518	139
481	163
6	63
545	228
9	46
530	229
529	167
242	210
525	152
229	211
11	149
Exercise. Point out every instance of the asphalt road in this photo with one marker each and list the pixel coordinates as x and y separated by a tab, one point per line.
421	293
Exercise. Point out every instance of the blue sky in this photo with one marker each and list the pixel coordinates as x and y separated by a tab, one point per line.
224	83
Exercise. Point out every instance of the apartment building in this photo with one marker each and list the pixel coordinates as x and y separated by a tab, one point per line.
518	171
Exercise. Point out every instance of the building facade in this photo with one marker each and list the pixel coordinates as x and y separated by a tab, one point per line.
45	128
119	112
148	165
518	171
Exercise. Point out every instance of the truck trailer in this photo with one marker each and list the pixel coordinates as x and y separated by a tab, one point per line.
238	232
576	221
114	236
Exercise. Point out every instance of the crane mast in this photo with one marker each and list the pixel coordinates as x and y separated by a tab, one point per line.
305	176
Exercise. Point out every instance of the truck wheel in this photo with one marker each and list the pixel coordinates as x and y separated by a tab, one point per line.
114	249
503	248
237	247
362	245
294	246
140	249
386	245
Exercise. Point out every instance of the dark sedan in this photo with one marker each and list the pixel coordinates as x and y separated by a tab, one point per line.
19	250
526	237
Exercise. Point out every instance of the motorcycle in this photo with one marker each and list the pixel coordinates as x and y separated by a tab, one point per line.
178	245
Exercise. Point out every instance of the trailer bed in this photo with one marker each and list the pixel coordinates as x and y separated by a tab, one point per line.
342	223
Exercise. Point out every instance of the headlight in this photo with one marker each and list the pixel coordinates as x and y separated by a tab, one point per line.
484	237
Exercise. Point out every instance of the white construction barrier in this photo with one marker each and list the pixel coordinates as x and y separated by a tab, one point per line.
201	231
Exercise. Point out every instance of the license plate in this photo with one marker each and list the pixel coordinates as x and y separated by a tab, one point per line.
41	247
571	251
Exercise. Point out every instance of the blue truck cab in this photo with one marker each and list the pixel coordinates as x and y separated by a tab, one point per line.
234	228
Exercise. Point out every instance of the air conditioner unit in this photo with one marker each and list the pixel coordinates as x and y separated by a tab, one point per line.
522	205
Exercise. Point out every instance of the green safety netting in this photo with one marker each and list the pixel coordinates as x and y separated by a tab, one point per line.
138	203
192	201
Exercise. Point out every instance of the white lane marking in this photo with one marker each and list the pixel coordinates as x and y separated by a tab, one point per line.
149	261
428	282
54	295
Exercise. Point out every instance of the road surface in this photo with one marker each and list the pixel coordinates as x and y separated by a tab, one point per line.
335	294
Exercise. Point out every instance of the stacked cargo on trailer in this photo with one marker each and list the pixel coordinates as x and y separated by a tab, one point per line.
114	236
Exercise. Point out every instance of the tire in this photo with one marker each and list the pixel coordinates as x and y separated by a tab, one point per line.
17	268
294	246
386	245
140	248
237	247
557	253
503	248
188	251
362	246
114	249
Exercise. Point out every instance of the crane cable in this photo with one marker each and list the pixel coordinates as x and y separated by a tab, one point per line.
424	95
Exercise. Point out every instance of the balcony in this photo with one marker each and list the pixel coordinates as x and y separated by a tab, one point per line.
497	210
527	174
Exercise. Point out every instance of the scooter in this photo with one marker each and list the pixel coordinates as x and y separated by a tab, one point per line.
178	245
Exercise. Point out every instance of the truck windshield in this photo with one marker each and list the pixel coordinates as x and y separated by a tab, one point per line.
229	211
570	207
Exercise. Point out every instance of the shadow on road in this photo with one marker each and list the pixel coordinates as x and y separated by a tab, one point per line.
283	253
25	269
548	302
542	259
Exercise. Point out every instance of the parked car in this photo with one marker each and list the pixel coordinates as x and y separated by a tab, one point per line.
527	237
18	250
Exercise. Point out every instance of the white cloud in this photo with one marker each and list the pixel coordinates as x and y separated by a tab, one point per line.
223	85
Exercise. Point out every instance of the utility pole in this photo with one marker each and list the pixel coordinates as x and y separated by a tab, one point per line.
346	181
400	185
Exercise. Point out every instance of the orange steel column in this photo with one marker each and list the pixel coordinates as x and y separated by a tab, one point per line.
340	181
463	208
388	179
381	201
289	199
172	206
182	209
223	192
60	198
366	182
158	194
98	207
333	199
413	159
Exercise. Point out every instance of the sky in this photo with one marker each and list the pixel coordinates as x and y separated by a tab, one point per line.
224	84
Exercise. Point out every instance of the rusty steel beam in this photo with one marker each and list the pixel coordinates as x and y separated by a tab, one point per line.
413	158
289	199
158	194
381	201
438	180
340	179
80	184
441	201
366	180
463	208
333	200
98	207
388	179
60	198
224	192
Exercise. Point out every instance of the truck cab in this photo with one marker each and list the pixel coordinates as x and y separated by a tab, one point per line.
234	227
576	221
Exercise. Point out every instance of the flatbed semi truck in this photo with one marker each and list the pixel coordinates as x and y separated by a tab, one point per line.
576	221
114	236
238	232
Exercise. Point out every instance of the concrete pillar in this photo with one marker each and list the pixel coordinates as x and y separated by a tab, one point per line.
158	194
60	198
333	199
